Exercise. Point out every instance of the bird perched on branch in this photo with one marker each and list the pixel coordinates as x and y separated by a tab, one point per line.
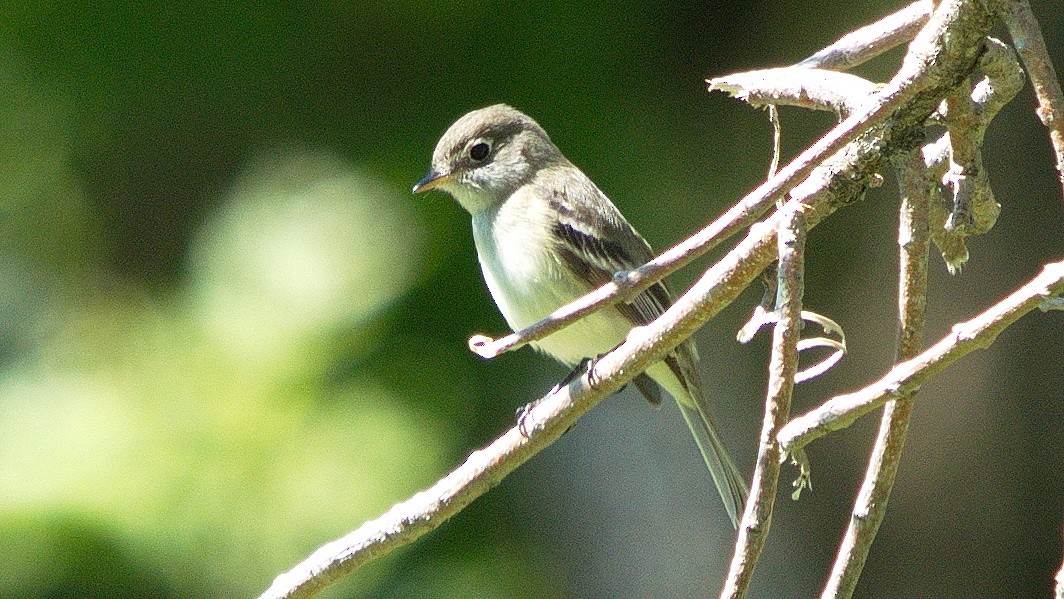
545	236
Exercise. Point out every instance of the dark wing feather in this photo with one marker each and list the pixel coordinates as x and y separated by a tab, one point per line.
596	260
650	390
596	243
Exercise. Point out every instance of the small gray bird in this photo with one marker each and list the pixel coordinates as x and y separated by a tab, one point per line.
545	235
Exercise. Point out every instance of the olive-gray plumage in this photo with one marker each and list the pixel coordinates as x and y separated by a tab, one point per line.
546	235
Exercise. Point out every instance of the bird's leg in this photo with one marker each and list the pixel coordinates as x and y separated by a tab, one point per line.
581	367
584	365
522	414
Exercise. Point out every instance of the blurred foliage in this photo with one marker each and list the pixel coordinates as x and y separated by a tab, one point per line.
228	333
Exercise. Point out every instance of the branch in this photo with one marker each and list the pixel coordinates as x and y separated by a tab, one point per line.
834	184
1031	46
871	504
406	521
864	44
973	212
783	367
816	89
971	209
549	417
977	333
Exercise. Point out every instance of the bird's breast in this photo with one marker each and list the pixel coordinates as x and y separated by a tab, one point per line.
521	273
528	280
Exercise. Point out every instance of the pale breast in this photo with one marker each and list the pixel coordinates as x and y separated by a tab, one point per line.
528	280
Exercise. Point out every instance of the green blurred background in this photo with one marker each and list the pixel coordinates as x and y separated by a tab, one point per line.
229	334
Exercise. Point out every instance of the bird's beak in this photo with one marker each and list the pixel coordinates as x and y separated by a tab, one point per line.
431	181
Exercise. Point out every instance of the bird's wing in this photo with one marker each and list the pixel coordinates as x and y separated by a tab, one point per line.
595	242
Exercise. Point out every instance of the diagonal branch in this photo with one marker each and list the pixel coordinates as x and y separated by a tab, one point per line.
864	44
966	337
1031	46
410	519
835	184
933	60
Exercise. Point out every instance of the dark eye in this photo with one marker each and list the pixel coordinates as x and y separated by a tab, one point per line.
479	151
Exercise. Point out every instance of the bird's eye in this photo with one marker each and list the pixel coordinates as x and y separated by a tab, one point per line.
479	151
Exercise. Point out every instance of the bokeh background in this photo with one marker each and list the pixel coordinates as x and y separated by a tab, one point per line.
229	334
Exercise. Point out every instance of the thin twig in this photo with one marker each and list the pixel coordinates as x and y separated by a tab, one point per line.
777	139
757	518
1031	46
762	317
966	337
871	504
864	44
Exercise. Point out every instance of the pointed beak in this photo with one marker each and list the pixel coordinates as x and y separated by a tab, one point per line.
431	180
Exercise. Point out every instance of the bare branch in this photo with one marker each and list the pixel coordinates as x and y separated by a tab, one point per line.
753	530
831	186
1027	37
871	504
406	521
864	44
971	209
966	337
817	89
828	175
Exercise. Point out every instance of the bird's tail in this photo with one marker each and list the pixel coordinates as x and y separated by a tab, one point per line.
726	476
677	375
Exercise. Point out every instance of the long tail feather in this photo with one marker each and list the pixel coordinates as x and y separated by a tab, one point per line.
726	476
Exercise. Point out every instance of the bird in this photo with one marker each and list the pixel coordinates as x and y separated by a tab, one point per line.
546	235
